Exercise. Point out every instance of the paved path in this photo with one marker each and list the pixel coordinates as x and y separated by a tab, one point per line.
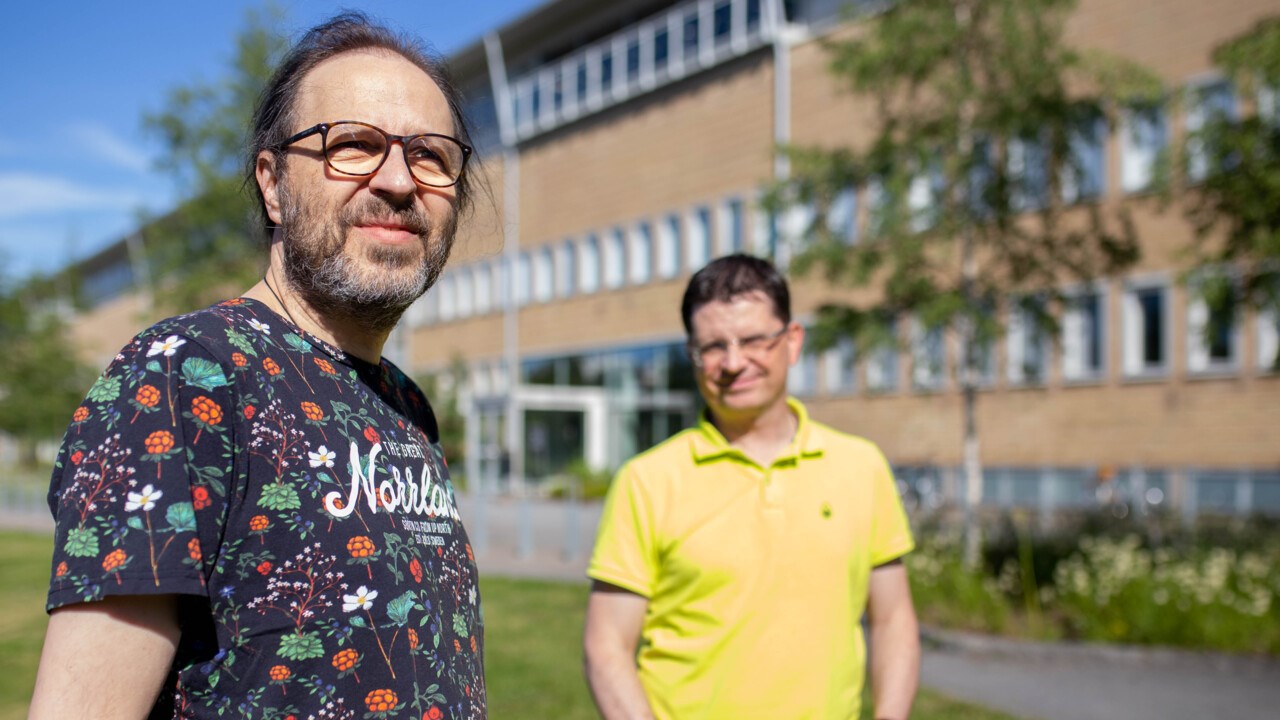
1040	681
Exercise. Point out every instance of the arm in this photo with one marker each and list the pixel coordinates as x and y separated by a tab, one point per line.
895	641
614	619
106	659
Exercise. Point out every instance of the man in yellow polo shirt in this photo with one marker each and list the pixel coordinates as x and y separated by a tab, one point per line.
734	561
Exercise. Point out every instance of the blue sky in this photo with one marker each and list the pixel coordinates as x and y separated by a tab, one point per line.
76	167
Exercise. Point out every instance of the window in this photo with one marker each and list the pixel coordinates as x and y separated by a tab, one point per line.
466	291
641	258
1027	162
1083	333
731	227
543	275
1212	333
580	81
1143	136
633	61
448	305
1144	325
699	245
878	207
928	356
669	250
589	264
1084	175
842	216
566	270
1209	103
661	48
1028	345
606	72
615	259
523	280
924	195
721	22
882	363
1268	340
691	35
838	368
484	288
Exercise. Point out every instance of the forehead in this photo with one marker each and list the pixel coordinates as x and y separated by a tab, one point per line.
743	315
373	86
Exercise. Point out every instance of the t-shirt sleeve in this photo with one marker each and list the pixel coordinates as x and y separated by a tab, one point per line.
891	535
626	552
139	489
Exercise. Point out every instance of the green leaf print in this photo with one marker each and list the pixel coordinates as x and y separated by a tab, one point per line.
460	625
105	389
154	366
357	621
301	647
134	522
280	497
181	517
296	342
81	542
399	608
241	343
204	374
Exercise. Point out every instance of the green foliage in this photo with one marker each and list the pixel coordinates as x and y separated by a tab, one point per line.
41	379
1235	208
961	89
591	484
443	391
202	249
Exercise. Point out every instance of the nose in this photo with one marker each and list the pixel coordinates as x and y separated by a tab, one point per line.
734	359
393	178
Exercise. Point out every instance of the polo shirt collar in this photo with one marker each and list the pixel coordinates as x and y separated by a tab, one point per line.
708	443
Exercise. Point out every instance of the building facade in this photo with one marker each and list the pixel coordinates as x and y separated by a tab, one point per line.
625	144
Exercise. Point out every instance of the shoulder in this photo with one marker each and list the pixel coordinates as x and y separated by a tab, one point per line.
218	329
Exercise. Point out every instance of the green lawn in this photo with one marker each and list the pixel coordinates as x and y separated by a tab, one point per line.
532	641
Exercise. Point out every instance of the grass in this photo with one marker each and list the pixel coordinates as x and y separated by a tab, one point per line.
533	638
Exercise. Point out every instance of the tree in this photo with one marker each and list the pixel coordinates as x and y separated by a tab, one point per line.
1232	167
41	380
204	248
977	177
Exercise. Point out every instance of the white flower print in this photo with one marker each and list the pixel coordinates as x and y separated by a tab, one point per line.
168	346
323	456
362	600
145	499
258	325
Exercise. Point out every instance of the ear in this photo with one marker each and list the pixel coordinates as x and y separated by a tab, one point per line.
268	182
795	342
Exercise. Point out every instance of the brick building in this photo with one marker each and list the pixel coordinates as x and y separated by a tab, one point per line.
625	144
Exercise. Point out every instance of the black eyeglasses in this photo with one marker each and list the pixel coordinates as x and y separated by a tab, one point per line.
754	347
357	148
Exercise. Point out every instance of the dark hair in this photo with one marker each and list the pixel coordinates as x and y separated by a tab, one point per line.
274	118
731	276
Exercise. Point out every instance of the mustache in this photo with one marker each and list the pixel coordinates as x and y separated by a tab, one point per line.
375	210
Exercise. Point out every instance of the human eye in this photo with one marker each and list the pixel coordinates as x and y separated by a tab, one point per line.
718	347
755	342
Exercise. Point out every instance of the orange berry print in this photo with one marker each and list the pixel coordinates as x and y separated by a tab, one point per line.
62	569
208	411
114	560
271	367
360	547
193	549
76	457
433	713
249	410
239	359
381	700
413	639
415	569
200	497
312	411
371	435
81	414
232	302
159	442
147	396
457	646
344	660
473	643
325	366
258	523
264	567
279	673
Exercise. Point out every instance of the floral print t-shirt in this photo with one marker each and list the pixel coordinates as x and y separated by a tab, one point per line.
296	501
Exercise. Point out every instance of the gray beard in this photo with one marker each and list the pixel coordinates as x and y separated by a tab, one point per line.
373	290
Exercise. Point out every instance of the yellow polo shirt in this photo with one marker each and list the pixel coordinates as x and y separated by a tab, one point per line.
756	577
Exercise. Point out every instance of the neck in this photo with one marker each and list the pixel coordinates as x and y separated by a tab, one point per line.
761	436
338	329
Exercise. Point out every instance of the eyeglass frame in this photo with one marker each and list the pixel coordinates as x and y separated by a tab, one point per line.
767	342
404	140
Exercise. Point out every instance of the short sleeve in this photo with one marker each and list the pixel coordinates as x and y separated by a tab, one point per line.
139	490
626	552
891	536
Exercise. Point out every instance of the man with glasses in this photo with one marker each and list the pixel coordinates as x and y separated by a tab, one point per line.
254	517
735	560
